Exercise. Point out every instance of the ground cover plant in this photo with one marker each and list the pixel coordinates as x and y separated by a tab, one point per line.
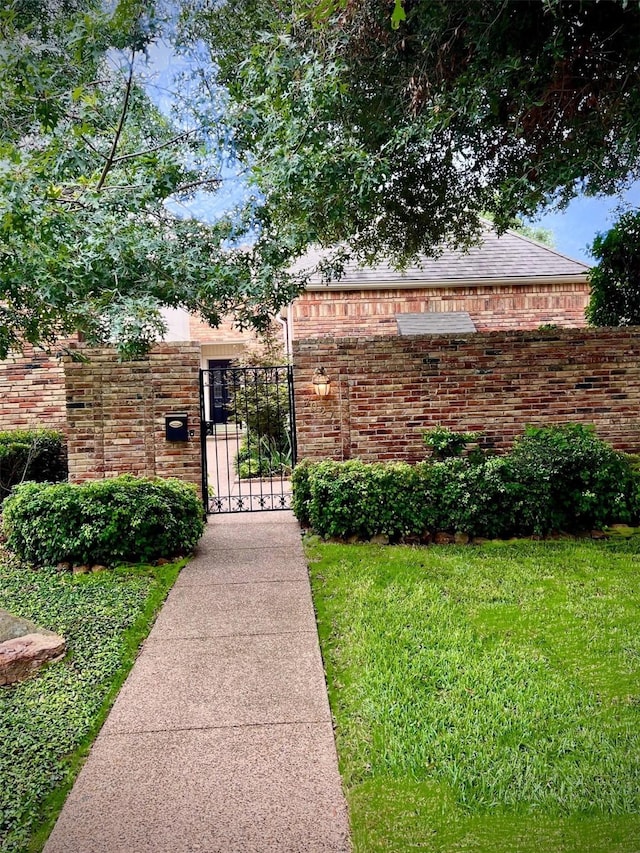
485	699
48	722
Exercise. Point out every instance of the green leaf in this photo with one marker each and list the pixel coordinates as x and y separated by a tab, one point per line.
398	14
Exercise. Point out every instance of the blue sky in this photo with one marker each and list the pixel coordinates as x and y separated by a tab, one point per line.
575	227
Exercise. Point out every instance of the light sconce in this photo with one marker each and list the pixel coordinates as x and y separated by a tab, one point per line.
321	382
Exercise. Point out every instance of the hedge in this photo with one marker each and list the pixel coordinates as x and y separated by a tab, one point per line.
123	519
559	478
38	455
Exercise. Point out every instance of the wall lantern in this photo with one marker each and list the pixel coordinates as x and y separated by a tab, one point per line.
321	382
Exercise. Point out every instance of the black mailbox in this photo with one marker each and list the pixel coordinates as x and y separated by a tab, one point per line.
177	426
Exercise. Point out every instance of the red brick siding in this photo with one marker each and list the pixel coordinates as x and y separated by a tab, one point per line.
32	391
387	390
319	313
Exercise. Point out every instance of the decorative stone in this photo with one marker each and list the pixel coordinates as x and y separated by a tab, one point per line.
444	538
81	570
24	648
379	539
461	539
63	567
98	568
598	534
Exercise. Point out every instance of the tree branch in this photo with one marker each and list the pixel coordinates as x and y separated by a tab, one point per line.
125	108
124	157
90	145
203	182
194	185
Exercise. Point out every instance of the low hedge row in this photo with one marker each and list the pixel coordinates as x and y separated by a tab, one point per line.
38	455
118	520
555	478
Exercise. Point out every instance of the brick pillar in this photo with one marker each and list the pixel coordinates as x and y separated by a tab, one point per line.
116	414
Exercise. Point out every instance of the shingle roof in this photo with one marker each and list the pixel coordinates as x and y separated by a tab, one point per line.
435	323
510	256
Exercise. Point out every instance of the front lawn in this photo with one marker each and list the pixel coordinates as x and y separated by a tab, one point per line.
48	723
486	699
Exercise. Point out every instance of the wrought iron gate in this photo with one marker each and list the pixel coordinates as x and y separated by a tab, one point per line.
248	437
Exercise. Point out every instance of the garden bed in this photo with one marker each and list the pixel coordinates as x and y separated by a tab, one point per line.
48	723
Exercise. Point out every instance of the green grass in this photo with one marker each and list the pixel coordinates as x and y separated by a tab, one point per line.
48	723
486	698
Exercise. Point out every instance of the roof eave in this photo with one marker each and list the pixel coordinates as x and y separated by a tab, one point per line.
417	284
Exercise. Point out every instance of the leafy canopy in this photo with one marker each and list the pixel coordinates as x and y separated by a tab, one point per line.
615	280
87	168
396	127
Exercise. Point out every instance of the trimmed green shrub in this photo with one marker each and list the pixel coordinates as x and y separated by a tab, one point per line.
301	491
569	479
444	443
474	497
123	519
343	499
555	478
38	455
353	498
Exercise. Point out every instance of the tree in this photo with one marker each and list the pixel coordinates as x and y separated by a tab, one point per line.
87	167
397	135
615	280
537	233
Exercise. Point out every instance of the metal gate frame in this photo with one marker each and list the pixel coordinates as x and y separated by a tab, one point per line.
264	396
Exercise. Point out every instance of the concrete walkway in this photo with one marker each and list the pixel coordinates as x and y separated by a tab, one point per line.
221	738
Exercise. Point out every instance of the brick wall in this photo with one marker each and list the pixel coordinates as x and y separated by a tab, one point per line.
116	414
32	391
386	391
227	332
372	312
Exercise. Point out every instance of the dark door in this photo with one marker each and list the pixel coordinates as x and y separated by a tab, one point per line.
219	390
